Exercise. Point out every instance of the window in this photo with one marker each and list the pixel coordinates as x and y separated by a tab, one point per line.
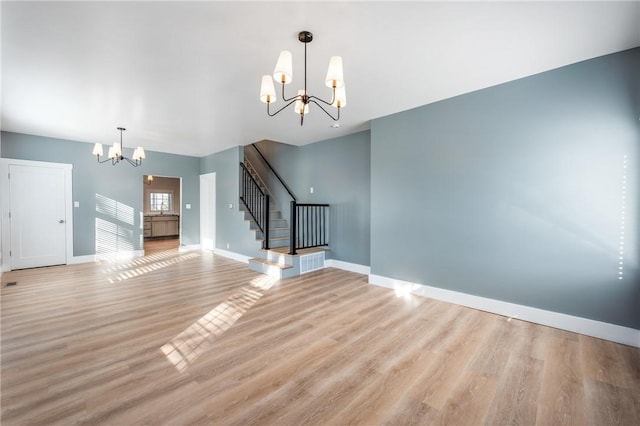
161	202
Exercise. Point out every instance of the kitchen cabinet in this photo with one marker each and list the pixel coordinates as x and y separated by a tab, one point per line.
161	226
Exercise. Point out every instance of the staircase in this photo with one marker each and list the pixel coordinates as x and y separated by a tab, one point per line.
281	259
278	228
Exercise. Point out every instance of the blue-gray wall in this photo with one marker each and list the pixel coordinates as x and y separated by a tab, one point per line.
516	192
111	197
338	170
231	228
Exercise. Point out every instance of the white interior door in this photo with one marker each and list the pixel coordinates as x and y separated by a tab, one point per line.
208	211
38	217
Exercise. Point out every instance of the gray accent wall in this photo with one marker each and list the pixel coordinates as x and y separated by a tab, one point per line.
516	192
111	197
339	171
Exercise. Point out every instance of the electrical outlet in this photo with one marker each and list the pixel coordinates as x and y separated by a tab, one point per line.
311	190
227	245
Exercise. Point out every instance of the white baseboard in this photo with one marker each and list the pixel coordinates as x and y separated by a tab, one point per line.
602	330
346	266
231	255
82	259
190	247
109	257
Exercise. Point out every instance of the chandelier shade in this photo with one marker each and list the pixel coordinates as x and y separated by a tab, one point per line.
334	73
340	100
115	153
283	74
300	106
267	90
97	149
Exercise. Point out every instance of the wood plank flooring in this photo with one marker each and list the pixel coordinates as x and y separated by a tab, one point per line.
160	244
192	338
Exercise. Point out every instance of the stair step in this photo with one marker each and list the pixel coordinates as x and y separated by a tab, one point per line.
285	250
270	263
275	238
275	228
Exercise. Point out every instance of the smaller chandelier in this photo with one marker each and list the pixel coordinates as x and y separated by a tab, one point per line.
283	74
115	153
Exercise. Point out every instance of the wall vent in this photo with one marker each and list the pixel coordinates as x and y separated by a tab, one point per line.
311	262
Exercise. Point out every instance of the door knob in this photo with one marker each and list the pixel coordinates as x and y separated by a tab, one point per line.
61	221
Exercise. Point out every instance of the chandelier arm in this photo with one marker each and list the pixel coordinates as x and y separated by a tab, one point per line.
327	112
284	98
103	161
269	103
333	98
133	163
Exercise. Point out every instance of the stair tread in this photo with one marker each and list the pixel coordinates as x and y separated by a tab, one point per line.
272	228
270	263
274	238
285	250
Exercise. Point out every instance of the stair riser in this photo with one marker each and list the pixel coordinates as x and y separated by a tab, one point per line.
275	217
273	271
278	233
278	243
273	224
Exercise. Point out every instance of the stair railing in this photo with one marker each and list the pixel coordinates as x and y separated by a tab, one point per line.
256	202
309	222
282	182
309	226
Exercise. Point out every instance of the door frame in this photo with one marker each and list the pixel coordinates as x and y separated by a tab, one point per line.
208	209
5	225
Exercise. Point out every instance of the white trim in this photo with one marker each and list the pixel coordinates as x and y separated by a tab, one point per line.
231	255
119	255
589	327
346	266
208	211
82	259
122	255
4	190
190	247
109	257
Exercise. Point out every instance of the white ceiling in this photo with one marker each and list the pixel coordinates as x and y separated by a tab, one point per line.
185	77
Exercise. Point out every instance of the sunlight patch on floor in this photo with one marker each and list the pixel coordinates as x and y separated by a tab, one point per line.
142	265
187	346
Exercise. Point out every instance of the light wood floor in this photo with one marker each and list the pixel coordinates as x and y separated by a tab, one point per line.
192	338
157	245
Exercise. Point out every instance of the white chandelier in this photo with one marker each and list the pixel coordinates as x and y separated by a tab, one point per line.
283	74
115	153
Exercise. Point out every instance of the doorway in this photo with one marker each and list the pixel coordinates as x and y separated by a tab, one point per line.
37	220
208	211
161	213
